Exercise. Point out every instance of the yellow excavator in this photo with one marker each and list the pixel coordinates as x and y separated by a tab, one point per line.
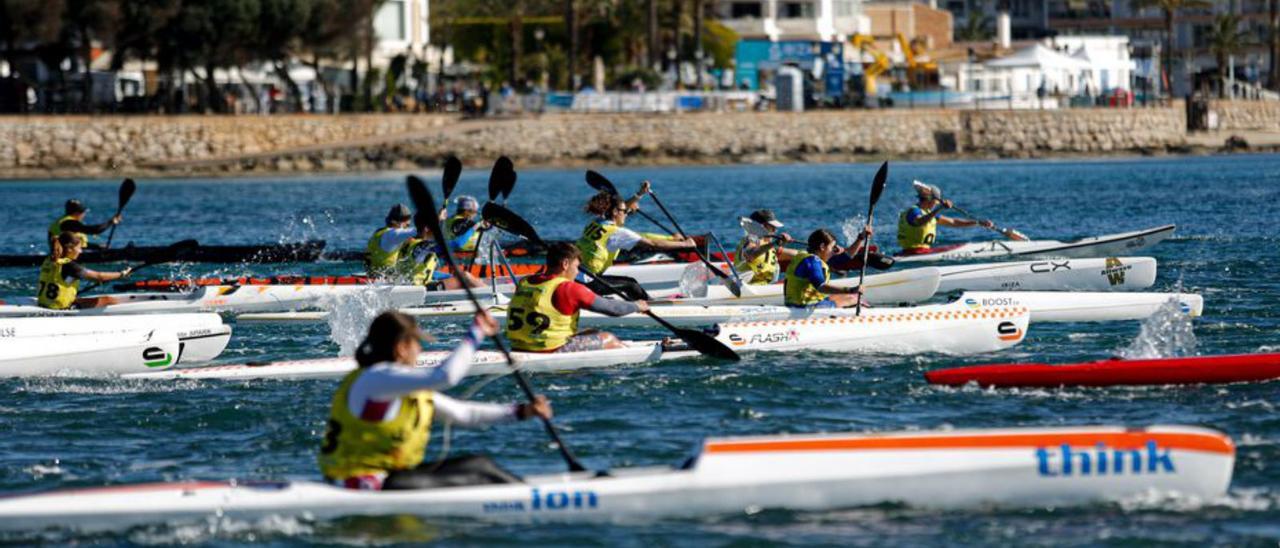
922	72
872	70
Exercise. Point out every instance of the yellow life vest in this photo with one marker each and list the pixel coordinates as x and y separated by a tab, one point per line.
419	273
377	260
56	292
798	291
916	237
764	267
462	226
593	244
55	230
353	446
533	323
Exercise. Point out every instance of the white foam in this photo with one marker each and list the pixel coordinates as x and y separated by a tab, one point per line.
350	313
1165	334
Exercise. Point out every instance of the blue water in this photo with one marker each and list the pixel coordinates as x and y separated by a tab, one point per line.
79	431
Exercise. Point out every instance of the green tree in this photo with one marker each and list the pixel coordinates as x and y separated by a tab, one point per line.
976	28
1226	39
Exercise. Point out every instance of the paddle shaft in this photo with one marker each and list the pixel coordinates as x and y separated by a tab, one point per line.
613	289
1006	232
126	193
680	232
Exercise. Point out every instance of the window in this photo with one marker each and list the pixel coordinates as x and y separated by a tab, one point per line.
742	10
389	23
796	10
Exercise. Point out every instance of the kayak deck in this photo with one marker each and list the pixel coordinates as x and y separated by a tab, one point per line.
1117	372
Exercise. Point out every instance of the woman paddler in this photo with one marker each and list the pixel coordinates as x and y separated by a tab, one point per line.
387	243
808	278
60	276
543	313
604	238
380	417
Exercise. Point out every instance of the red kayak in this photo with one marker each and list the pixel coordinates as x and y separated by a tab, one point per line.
1117	372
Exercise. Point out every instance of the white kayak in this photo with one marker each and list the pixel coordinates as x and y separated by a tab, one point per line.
485	362
1098	246
230	299
664	277
201	337
95	354
952	328
904	286
1053	306
1107	274
949	469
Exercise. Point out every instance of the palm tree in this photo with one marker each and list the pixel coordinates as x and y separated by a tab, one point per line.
1170	8
1226	39
975	28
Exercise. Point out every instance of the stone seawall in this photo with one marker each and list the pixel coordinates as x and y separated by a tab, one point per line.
1247	115
75	146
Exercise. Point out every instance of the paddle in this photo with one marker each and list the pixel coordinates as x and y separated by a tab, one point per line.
734	285
166	255
507	220
603	184
127	188
877	188
423	200
1006	232
452	172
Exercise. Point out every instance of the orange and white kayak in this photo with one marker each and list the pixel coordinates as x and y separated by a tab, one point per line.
1020	468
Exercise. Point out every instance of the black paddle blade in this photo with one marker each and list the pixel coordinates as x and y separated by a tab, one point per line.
452	172
510	185
127	188
174	252
706	344
601	183
507	220
877	186
501	177
423	201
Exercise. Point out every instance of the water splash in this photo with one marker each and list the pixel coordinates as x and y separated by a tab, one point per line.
1165	334
694	279
851	227
350	314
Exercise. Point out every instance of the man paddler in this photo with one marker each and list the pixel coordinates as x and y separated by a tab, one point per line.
808	277
463	228
60	276
421	257
381	414
543	313
605	237
73	221
387	243
918	226
760	249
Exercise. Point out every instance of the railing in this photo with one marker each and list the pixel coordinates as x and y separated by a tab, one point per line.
625	102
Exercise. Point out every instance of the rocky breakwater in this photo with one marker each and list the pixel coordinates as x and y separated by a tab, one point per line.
1247	115
1034	133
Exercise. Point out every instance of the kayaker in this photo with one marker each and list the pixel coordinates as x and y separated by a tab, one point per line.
604	238
758	252
463	228
73	221
60	276
918	225
421	258
808	278
384	247
543	313
380	416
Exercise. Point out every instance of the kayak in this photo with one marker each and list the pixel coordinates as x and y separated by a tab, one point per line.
230	299
1109	274
308	251
201	337
1118	372
110	353
662	278
952	328
905	286
1057	306
948	469
486	362
1098	246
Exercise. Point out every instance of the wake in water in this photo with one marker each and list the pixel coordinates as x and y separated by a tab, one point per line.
1166	334
351	313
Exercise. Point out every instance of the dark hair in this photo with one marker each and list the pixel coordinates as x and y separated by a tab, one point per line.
604	203
819	238
562	251
421	220
63	242
389	329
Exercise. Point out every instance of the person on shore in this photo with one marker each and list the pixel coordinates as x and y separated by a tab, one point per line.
463	228
808	279
421	257
604	238
760	249
381	414
60	276
387	243
543	313
918	225
73	221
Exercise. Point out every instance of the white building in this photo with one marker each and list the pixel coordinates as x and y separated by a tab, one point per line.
402	28
1076	65
817	20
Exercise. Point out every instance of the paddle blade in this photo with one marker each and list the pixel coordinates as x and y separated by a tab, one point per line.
423	201
499	177
127	188
706	344
510	185
174	252
877	185
452	172
507	220
601	183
